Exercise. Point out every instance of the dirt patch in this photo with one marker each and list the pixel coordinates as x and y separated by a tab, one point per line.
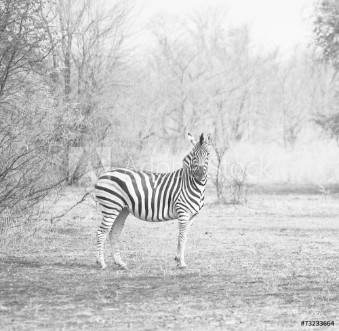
268	265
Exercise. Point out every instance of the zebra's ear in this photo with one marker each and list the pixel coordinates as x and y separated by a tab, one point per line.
209	139
191	139
201	139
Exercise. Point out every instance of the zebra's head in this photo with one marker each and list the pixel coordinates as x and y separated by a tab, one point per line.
198	160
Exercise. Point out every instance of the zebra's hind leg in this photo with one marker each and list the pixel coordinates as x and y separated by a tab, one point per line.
104	228
114	235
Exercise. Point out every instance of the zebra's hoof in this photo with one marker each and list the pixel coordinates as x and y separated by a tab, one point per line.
122	266
179	265
102	265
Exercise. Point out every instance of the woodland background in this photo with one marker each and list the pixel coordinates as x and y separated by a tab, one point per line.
77	96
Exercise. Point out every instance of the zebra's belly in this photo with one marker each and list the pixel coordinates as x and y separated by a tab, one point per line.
151	216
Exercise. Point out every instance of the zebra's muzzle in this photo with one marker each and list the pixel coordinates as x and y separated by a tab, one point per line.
200	174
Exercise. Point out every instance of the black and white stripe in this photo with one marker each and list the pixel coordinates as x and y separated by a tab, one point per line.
153	197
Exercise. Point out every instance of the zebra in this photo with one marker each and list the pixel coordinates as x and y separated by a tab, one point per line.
152	197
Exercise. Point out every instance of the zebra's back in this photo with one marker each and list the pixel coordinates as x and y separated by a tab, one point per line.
148	196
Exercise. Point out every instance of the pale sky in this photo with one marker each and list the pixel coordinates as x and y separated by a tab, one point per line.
274	23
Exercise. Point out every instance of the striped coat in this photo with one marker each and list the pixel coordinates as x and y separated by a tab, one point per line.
152	197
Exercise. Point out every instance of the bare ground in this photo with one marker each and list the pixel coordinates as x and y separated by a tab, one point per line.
265	266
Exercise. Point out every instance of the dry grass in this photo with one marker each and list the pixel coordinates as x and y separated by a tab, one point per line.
265	266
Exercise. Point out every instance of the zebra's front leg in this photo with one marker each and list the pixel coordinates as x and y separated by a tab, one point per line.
184	226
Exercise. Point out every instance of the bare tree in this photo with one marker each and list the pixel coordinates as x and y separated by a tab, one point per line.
88	55
180	72
220	146
30	144
292	87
